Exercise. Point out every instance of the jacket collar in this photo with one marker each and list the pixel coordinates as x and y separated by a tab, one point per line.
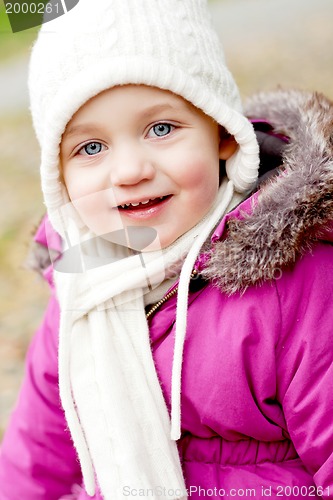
290	213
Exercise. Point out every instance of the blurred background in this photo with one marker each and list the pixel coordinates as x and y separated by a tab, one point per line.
268	43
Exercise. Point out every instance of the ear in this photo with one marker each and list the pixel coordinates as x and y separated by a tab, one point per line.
227	145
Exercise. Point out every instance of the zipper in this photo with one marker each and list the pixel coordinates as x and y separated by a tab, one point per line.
166	297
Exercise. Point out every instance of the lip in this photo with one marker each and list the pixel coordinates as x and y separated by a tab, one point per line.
142	212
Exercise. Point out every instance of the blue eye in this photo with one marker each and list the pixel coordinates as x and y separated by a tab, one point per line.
92	148
162	129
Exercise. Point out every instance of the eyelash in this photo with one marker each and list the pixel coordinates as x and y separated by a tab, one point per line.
171	128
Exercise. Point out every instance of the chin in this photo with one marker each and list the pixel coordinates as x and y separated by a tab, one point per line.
160	243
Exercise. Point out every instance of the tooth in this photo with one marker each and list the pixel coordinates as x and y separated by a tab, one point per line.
161	197
145	202
127	204
135	204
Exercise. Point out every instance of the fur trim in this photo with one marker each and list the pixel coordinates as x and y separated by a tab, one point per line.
294	208
39	258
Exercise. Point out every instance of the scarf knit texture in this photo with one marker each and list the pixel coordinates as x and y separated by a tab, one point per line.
109	388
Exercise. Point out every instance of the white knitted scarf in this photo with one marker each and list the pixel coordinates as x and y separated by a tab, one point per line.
109	388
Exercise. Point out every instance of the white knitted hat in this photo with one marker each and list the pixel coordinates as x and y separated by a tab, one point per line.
97	45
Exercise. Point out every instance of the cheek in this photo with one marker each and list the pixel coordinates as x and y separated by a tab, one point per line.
91	200
201	185
97	213
81	182
200	174
75	189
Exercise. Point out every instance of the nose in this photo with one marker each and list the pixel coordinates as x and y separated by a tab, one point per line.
130	166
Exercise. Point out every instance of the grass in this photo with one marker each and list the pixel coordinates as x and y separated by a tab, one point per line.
13	44
22	295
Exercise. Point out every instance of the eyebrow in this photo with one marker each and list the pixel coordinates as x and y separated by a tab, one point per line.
158	108
86	128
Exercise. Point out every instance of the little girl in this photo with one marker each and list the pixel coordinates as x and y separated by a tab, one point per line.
186	349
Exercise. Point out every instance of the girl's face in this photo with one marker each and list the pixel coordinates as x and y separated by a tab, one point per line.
140	156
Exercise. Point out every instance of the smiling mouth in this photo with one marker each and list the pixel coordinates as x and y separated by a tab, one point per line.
141	205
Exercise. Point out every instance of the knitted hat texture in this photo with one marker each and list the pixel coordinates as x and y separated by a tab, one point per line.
97	45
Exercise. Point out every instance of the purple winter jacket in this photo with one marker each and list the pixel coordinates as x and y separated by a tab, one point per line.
257	376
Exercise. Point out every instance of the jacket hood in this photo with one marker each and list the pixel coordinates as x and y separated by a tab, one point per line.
291	211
